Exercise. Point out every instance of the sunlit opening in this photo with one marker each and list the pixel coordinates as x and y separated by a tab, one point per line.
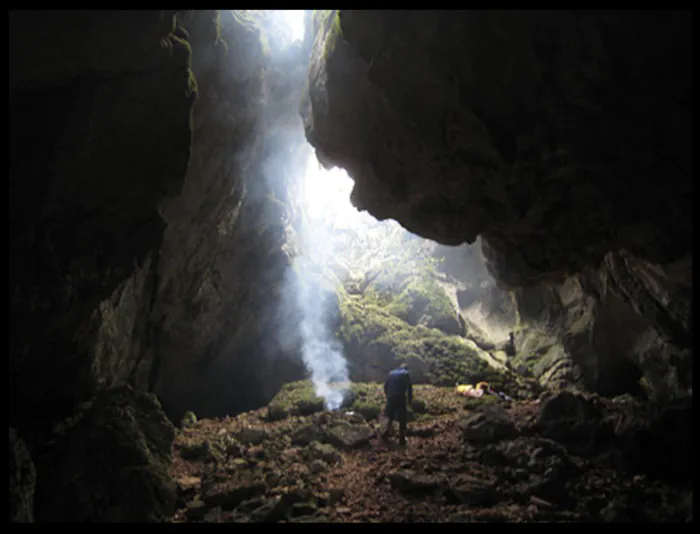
325	195
290	22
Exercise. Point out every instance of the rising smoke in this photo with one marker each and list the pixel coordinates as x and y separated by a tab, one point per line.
334	242
309	298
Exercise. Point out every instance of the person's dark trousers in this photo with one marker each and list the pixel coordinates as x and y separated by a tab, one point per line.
396	411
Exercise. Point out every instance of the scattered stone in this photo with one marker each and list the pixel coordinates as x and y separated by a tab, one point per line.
271	479
567	405
188	420
418	406
256	453
234	491
252	504
335	495
233	448
252	435
473	491
325	452
277	510
408	481
306	434
349	397
318	466
188	484
213	515
196	450
196	510
310	406
489	423
303	508
368	410
349	437
276	412
422	432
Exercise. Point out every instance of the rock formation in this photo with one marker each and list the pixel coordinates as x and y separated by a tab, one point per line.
153	215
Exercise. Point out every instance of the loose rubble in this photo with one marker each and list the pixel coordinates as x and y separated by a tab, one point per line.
566	458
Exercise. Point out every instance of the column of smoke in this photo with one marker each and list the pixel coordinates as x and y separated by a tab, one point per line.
321	351
305	312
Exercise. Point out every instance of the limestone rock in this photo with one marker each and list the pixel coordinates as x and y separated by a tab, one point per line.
411	482
486	424
22	481
347	436
306	434
111	462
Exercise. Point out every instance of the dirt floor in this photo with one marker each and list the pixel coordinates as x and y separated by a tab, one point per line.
572	460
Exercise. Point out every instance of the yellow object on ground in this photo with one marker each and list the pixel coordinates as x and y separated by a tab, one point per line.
468	390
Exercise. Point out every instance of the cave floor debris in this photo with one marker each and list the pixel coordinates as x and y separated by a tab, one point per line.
332	467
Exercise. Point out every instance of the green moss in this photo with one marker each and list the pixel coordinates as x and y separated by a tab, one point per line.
189	419
423	297
296	398
470	404
368	328
326	26
368	410
365	325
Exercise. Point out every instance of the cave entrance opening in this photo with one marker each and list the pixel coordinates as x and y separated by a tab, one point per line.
346	260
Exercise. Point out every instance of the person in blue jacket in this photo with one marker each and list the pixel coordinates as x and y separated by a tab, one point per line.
398	389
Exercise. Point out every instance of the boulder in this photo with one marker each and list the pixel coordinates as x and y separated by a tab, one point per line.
486	424
306	434
252	435
411	482
347	436
325	452
111	462
230	493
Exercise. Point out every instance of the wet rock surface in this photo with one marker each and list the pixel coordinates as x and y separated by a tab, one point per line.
491	463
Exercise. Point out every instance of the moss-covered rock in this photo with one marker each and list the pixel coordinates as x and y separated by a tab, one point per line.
188	420
298	398
109	463
368	410
376	341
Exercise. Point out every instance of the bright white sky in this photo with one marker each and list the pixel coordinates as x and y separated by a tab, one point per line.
292	21
326	196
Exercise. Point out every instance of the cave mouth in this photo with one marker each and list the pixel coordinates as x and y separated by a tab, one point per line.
340	250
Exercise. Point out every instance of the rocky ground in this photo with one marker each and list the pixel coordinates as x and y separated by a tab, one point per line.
566	457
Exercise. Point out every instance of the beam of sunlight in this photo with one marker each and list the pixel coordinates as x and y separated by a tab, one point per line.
290	22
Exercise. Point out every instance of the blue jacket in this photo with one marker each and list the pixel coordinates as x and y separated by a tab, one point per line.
399	384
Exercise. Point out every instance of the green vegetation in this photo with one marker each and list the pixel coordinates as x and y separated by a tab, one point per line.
367	400
368	327
470	404
422	297
189	419
295	398
326	26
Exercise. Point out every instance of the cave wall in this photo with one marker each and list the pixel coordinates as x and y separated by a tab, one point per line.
100	128
561	138
524	127
229	240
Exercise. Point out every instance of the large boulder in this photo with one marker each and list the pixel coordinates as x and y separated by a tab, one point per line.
109	463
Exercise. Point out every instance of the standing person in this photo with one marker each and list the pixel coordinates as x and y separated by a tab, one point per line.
398	389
